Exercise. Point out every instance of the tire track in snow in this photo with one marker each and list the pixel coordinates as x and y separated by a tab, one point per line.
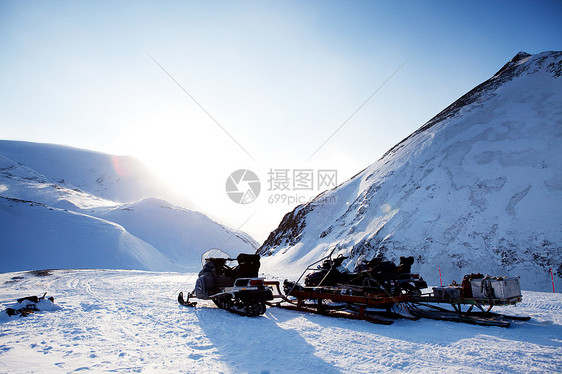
115	320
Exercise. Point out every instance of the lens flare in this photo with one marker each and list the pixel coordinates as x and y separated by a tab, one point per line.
120	166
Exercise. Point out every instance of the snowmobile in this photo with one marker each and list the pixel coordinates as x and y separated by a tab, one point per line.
374	276
369	292
378	291
232	284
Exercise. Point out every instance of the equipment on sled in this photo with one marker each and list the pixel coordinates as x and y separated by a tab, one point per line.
374	276
379	291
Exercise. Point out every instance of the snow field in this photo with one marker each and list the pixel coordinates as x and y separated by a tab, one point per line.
130	321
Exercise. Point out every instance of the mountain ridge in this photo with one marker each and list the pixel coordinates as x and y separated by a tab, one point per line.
63	201
118	178
477	181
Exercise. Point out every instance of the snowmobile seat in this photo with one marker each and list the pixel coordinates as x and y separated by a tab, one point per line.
248	265
405	266
383	270
244	257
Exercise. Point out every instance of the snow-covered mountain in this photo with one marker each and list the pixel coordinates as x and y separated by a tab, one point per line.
174	229
36	236
63	207
118	178
478	188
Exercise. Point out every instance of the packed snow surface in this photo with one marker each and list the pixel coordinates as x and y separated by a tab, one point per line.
130	321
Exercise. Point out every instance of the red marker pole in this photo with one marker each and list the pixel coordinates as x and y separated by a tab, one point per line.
441	281
552	278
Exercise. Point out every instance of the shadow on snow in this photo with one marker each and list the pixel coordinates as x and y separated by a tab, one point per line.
258	344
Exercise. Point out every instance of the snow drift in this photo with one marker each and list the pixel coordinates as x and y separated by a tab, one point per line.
36	236
172	229
62	207
478	188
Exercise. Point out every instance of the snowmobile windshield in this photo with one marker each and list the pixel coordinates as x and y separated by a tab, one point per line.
213	253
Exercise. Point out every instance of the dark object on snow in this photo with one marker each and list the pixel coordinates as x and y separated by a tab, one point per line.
405	265
234	288
248	265
23	312
30	307
41	273
35	299
330	272
376	276
466	288
185	303
207	281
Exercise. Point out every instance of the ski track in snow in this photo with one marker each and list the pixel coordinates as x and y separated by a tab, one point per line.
130	321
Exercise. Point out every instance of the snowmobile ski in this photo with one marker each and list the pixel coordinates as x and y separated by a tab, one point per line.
184	302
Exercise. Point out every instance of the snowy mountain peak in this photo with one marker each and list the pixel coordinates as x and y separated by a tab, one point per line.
63	207
524	62
112	177
475	189
548	63
518	59
519	56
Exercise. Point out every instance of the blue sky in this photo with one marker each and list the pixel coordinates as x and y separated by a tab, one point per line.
279	76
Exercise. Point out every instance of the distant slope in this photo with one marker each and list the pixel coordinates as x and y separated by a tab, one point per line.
35	236
21	182
180	234
476	189
118	178
82	222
